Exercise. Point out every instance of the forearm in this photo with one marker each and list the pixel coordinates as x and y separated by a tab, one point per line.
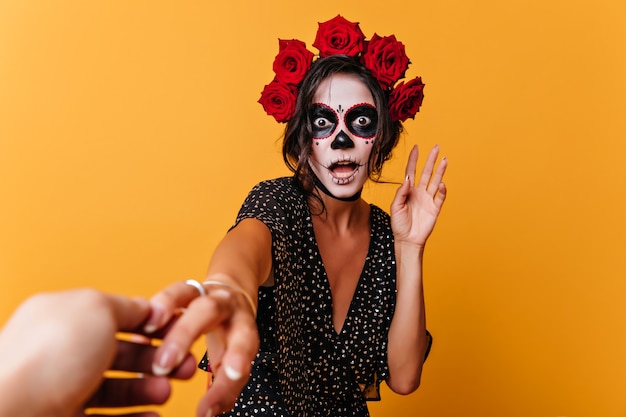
407	334
243	258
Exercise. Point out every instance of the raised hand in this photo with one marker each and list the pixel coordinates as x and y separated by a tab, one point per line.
415	208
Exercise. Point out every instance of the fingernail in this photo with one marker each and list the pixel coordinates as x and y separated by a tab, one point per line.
233	367
153	323
209	413
168	357
232	373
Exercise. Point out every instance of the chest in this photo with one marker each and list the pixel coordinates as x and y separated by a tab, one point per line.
343	257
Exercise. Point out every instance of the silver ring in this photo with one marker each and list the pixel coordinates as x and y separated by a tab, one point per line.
197	286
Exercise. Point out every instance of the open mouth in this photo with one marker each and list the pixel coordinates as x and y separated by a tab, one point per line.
342	172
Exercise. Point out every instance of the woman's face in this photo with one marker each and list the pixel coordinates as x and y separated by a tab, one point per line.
344	128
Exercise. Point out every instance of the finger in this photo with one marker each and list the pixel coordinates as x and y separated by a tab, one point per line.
242	345
131	392
128	313
134	357
216	345
440	197
427	171
160	333
241	348
411	164
402	195
167	302
202	315
438	176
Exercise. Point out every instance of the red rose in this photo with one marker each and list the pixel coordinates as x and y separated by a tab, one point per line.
292	62
339	37
405	100
279	100
386	59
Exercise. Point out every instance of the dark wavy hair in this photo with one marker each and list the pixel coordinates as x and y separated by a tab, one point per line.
298	137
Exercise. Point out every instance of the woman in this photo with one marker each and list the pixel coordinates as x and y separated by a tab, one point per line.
337	282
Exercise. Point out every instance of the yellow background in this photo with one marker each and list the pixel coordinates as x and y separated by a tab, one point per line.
130	133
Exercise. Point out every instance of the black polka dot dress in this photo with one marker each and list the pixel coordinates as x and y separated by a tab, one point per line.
304	367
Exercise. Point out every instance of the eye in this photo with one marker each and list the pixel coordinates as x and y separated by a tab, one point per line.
362	121
321	122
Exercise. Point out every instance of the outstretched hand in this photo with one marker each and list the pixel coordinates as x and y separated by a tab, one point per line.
416	207
55	348
226	319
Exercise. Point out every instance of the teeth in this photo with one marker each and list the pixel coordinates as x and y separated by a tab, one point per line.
342	180
343	163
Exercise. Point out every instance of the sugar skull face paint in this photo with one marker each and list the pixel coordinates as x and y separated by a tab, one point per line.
344	123
361	120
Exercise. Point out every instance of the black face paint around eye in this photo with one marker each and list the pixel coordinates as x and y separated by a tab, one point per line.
324	121
362	120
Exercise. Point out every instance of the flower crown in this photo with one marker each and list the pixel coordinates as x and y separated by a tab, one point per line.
383	56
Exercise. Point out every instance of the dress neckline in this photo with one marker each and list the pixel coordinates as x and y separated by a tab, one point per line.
325	283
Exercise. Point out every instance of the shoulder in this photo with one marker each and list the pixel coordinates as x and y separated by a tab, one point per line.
281	183
276	202
379	215
277	189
